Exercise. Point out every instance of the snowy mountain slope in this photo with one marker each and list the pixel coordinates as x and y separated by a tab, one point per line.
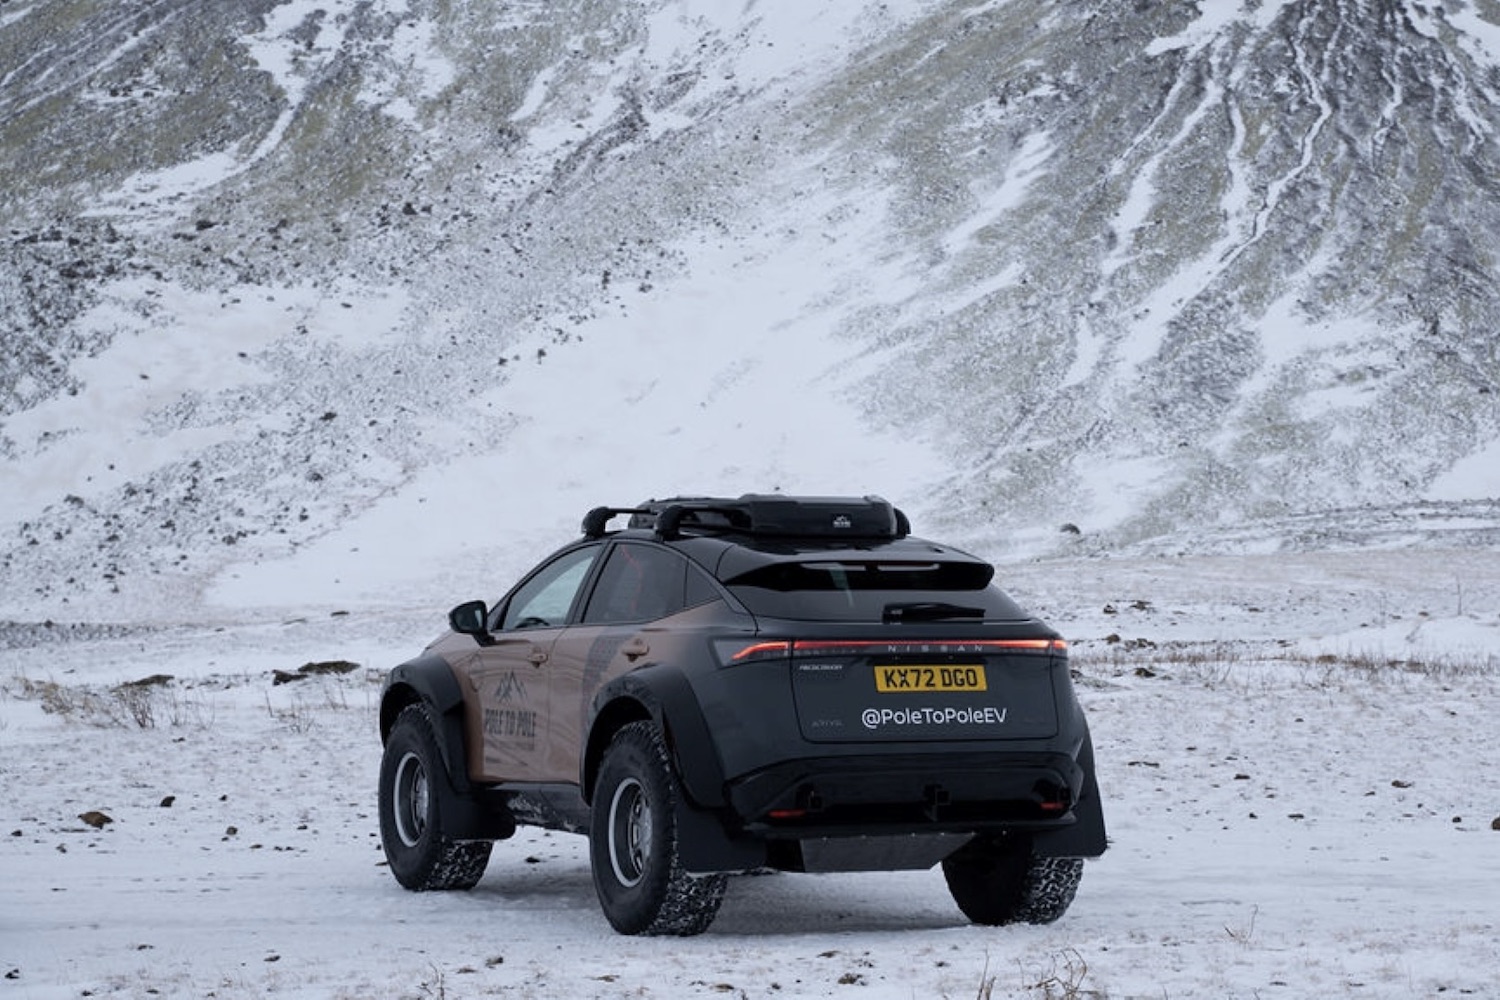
1247	261
399	277
356	305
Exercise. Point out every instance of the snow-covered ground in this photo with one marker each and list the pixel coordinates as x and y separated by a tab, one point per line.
228	474
1298	754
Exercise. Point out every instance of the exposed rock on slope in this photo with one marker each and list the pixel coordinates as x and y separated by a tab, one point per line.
1234	271
1143	269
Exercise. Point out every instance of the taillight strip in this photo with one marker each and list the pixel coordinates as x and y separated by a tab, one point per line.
778	648
762	649
916	646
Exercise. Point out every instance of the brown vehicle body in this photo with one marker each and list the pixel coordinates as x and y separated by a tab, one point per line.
528	694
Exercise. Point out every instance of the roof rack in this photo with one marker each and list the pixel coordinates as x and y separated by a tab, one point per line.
596	520
771	516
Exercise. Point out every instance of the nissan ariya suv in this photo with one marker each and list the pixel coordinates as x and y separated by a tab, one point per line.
712	686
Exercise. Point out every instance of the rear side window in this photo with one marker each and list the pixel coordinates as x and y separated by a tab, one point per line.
874	590
642	583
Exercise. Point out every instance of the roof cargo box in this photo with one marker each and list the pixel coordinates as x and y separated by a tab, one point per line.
771	515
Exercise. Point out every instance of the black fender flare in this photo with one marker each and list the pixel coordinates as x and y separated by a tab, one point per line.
431	680
1086	837
664	695
468	813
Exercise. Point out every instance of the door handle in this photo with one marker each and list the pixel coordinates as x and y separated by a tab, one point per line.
635	647
537	657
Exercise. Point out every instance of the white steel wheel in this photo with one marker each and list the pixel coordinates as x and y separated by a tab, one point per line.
630	833
412	799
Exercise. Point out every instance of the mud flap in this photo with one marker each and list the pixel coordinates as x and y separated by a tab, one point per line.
1085	838
704	846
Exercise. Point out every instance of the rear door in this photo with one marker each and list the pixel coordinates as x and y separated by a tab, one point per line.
638	585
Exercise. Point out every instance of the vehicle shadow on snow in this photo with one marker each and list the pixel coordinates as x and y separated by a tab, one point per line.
544	885
758	905
779	904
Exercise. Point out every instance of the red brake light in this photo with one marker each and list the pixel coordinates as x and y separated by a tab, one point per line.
736	652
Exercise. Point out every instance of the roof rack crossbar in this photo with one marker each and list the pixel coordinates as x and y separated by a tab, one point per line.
597	520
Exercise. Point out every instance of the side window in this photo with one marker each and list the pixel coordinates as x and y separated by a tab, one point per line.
544	600
639	583
700	588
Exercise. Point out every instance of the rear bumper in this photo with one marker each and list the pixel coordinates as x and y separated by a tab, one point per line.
905	793
769	795
895	811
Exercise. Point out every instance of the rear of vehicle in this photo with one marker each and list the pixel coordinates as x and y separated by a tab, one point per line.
891	708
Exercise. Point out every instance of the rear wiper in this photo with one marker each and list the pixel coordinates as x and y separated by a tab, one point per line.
928	611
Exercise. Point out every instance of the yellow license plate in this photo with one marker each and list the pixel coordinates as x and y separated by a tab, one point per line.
913	678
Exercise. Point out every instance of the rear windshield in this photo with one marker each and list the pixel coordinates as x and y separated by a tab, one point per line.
875	590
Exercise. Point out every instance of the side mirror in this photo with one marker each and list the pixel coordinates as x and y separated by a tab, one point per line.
470	618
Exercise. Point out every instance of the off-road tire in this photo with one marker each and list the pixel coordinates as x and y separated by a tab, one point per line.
1003	882
642	886
420	855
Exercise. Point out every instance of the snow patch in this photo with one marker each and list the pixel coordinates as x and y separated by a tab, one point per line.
1476	476
731	379
193	345
1214	18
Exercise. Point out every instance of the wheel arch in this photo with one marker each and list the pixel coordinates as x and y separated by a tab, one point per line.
662	695
612	716
470	812
430	680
